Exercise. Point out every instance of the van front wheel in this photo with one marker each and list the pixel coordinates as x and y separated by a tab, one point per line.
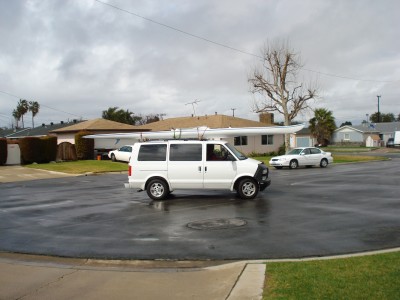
247	188
157	189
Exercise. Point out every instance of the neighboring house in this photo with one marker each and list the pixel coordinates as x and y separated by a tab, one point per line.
39	131
5	132
245	144
96	126
361	133
302	138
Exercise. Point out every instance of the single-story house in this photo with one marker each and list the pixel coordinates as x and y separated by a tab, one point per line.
245	144
43	130
361	133
96	126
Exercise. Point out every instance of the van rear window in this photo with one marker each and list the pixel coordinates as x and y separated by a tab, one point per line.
153	152
185	152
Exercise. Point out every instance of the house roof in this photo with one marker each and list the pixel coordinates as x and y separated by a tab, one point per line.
385	127
97	125
42	130
212	121
359	128
5	132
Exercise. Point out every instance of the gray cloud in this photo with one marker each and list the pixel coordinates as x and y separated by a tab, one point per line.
83	57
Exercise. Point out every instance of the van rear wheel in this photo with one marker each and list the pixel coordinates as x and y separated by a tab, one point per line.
157	189
247	188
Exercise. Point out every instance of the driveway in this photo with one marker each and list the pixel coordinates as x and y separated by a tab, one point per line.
305	212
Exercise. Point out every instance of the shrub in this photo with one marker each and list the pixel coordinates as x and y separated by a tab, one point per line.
84	147
3	151
49	148
282	150
30	150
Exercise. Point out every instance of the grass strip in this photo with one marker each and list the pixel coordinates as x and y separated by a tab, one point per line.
82	166
367	277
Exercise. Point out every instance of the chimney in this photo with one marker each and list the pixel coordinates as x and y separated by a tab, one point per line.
266	118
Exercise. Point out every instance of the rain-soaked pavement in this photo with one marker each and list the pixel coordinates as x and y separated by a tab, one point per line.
305	212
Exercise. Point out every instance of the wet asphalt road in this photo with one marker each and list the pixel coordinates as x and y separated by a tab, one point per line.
305	212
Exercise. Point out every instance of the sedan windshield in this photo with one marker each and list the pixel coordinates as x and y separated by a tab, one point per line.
294	151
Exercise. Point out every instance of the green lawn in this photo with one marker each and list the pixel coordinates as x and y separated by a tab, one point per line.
82	166
348	149
367	277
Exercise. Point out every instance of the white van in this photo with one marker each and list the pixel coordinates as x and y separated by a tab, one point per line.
160	167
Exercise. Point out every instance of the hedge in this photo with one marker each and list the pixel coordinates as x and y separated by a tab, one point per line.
30	150
38	150
84	147
49	148
3	151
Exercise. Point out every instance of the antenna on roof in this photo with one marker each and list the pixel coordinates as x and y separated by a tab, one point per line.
193	103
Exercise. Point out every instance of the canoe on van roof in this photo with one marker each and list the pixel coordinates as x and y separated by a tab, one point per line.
200	133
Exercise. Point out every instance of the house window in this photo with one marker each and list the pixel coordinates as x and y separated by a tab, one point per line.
267	140
347	136
240	141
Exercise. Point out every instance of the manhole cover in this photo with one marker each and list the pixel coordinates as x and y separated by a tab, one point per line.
216	224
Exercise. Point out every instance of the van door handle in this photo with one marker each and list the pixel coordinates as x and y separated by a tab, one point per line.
205	169
199	168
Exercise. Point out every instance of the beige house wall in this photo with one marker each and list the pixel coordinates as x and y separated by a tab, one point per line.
65	137
254	144
13	154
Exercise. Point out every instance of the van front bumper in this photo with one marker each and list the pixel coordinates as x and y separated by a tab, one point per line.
265	184
262	176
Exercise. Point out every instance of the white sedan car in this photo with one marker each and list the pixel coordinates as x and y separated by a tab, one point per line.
303	156
122	154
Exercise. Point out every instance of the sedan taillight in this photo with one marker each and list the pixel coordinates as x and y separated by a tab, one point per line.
130	171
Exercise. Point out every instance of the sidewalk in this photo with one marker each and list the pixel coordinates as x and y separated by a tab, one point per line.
39	277
34	277
19	173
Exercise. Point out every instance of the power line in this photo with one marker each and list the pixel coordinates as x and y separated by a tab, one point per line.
233	48
42	105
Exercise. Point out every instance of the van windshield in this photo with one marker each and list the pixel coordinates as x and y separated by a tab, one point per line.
236	152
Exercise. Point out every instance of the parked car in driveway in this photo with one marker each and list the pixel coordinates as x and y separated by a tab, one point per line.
390	142
303	156
122	154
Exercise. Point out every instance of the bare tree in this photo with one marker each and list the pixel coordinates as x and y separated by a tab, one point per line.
277	83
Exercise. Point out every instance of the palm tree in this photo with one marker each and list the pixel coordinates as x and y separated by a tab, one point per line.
17	116
22	108
119	115
34	109
322	125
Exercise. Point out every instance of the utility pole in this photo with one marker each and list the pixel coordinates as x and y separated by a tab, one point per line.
233	111
379	113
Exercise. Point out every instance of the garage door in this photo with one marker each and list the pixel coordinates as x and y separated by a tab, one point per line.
303	142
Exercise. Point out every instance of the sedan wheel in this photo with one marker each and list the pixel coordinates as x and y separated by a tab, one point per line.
113	157
293	164
324	163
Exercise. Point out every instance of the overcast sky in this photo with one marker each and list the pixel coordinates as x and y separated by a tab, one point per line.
79	57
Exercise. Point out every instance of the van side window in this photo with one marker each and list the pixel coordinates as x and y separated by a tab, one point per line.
185	152
153	152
